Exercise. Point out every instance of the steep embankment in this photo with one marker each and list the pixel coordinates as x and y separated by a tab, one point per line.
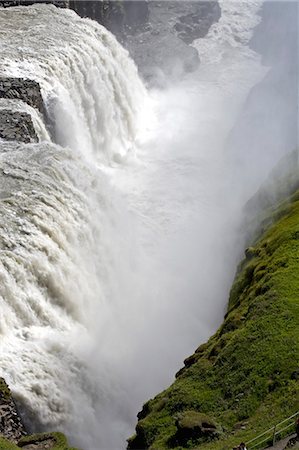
245	378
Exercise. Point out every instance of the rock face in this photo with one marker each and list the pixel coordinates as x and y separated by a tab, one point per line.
17	126
11	426
9	3
161	48
244	378
121	17
192	425
21	89
196	23
13	435
156	34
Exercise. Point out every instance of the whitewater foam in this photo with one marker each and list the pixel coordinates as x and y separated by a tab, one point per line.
90	86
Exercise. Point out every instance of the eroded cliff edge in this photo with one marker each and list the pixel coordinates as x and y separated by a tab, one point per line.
13	434
246	377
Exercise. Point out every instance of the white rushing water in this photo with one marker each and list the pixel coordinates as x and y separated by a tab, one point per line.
115	266
85	74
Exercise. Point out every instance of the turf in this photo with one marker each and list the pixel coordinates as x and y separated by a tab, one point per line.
246	377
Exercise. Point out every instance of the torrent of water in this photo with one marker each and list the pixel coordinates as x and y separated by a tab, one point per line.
85	74
114	266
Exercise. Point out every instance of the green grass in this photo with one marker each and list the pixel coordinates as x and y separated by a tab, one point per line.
243	378
59	438
60	442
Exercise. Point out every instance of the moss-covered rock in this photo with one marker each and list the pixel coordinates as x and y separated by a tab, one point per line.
42	441
243	377
51	441
12	431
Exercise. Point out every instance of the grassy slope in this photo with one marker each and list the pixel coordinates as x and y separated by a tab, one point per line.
244	376
59	438
35	439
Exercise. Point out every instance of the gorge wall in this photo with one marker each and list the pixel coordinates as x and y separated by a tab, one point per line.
245	378
10	3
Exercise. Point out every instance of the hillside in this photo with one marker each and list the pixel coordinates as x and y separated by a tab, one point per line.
245	378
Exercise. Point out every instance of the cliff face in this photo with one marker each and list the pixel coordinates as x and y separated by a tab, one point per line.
9	3
13	435
120	17
245	378
18	125
157	34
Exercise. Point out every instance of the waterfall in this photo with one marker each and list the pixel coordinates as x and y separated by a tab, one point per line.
114	266
57	214
90	86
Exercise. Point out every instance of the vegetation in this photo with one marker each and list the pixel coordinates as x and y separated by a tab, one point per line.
52	441
245	378
59	441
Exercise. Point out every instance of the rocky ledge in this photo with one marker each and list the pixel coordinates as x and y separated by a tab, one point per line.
22	89
9	3
11	426
17	126
13	435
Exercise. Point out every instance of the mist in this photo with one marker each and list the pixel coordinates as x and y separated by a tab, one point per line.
178	205
204	153
158	230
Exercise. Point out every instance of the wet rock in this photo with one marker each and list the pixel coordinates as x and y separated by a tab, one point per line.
122	17
17	126
11	426
21	89
197	23
9	3
156	34
161	48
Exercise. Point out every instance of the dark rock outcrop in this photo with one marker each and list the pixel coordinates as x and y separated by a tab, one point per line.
13	434
161	48
157	34
9	3
11	426
197	23
17	126
21	89
121	18
194	426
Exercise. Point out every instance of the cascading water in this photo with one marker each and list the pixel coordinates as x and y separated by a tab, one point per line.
112	273
85	74
55	211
